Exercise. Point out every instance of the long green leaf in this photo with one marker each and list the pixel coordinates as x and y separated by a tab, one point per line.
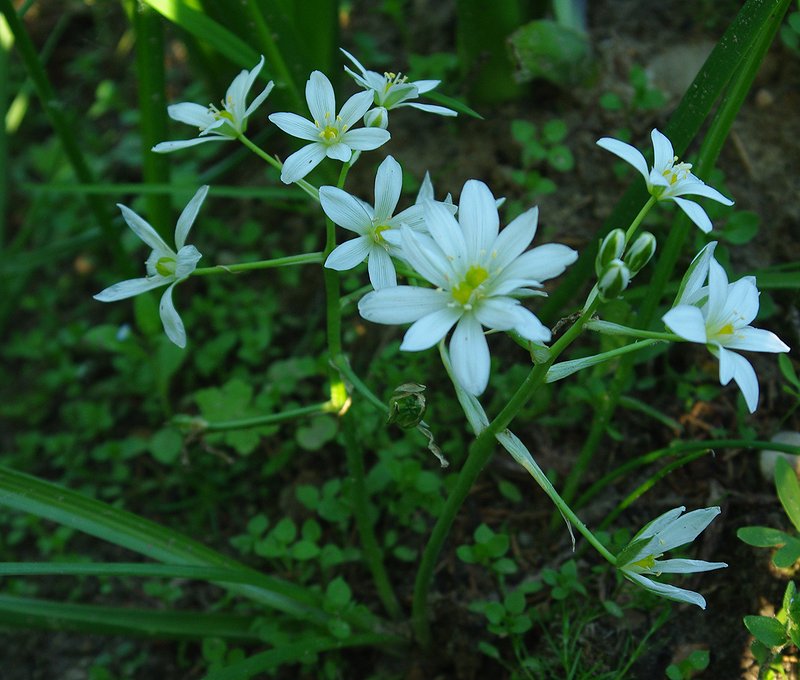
25	612
788	490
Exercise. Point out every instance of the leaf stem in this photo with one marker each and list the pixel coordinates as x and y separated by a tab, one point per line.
288	261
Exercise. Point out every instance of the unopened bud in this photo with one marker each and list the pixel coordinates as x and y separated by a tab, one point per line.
640	253
610	249
613	280
377	118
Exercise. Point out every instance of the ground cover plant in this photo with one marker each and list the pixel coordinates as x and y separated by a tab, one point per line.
329	395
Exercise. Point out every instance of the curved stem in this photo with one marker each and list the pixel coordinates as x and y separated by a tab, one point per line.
638	219
479	454
288	261
202	425
310	189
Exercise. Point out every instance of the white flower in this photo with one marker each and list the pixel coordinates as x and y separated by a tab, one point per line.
391	91
377	228
164	266
719	315
668	180
664	533
330	135
478	272
216	125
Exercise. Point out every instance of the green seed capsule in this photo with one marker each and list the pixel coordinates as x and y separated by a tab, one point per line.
407	405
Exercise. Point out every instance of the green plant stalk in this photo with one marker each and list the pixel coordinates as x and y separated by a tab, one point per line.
479	454
610	328
563	369
275	163
273	54
639	218
712	144
201	425
177	190
288	261
137	569
153	126
54	109
26	612
373	554
6	42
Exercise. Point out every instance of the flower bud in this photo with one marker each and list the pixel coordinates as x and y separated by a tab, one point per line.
640	253
407	405
377	118
610	249
613	280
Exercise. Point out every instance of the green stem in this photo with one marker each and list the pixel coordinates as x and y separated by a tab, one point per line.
310	189
563	369
199	424
638	219
373	555
609	328
479	454
288	261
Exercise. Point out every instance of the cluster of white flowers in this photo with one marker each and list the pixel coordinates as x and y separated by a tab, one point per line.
477	274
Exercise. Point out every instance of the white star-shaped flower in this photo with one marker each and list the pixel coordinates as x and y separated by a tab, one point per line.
718	315
672	529
377	228
391	91
217	125
330	135
478	273
165	266
668	179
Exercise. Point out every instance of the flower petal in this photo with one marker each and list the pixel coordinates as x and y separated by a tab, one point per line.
692	282
425	257
381	269
339	152
681	566
191	114
663	153
301	162
169	147
699	188
365	139
541	263
513	240
430	108
173	326
498	313
295	125
469	353
756	340
477	215
733	365
187	260
144	231
354	108
320	98
346	210
349	254
667	591
401	304
259	100
131	287
445	231
188	216
688	322
427	331
629	154
388	184
684	529
695	213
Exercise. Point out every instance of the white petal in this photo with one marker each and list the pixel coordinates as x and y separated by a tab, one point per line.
295	125
187	260
688	322
430	108
469	353
188	216
431	328
169	147
741	303
413	217
733	365
144	231
173	326
681	566
695	275
131	287
659	523
425	257
388	184
499	314
354	60
629	154
320	98
339	152
365	139
191	114
756	340
668	591
424	86
663	153
701	189
477	215
685	529
695	213
541	263
345	210
349	254
259	100
354	108
513	240
445	231
717	295
381	269
301	162
425	189
401	304
530	328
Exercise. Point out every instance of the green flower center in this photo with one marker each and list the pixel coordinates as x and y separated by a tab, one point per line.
646	562
463	292
393	79
377	232
166	266
331	129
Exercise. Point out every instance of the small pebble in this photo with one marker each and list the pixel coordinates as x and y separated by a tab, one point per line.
764	98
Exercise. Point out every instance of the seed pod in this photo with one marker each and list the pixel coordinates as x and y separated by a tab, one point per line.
407	405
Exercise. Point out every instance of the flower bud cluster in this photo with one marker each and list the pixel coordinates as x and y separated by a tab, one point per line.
615	266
